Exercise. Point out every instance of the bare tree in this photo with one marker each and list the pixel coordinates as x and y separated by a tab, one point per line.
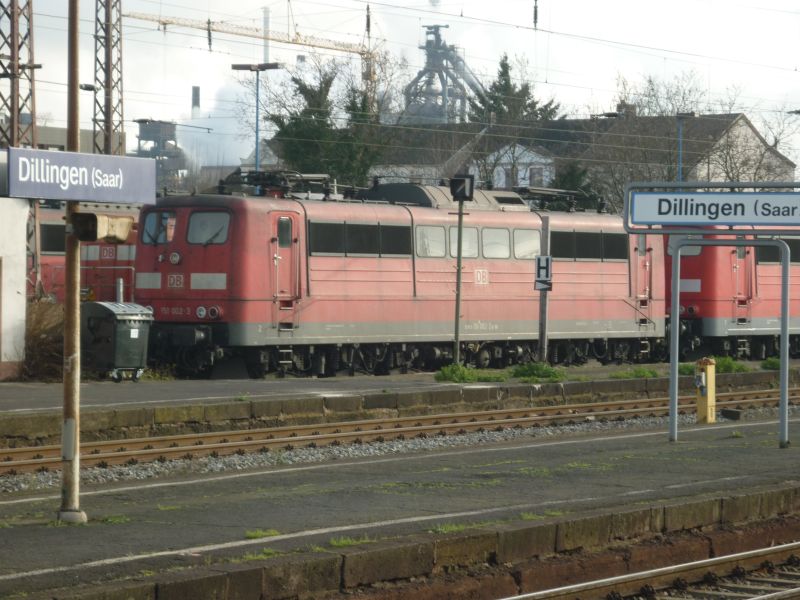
667	129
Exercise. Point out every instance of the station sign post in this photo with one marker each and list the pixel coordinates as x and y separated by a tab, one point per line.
76	177
698	208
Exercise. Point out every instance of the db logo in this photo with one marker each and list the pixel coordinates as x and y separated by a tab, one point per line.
481	277
175	280
108	252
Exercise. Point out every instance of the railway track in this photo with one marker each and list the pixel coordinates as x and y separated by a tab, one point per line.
772	573
132	451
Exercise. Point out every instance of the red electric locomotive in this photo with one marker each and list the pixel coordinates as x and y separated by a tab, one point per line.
103	264
317	286
730	299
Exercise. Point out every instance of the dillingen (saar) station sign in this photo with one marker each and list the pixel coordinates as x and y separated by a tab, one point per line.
82	177
715	209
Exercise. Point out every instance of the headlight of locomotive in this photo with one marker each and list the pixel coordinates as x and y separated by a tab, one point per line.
201	312
214	312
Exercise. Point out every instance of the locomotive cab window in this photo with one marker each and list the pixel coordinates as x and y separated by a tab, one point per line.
527	244
469	242
208	228
159	227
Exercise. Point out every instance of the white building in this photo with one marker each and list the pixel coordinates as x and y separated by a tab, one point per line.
14	216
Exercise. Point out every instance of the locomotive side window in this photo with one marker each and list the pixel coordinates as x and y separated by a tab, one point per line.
562	244
159	227
431	241
527	244
361	239
469	242
395	240
771	254
326	238
794	249
767	254
208	228
284	232
496	243
588	245
615	246
52	238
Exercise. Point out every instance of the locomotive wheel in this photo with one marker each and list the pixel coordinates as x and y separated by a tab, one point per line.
758	349
257	363
483	358
256	370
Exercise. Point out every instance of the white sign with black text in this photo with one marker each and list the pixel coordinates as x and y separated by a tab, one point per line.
715	208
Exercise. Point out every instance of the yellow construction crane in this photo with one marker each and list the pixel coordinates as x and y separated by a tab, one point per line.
366	54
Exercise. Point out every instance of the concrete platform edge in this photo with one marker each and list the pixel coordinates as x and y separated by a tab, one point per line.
532	554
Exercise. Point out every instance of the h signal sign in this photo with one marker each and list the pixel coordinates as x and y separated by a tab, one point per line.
544	273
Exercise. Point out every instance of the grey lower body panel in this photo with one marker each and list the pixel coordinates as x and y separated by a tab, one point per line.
751	327
267	334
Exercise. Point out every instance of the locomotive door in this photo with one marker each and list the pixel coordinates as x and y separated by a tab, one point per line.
285	266
742	275
642	276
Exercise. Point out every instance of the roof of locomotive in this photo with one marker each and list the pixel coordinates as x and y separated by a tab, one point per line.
583	220
418	197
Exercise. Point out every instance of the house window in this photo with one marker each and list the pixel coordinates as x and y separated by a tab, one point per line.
511	176
52	238
536	176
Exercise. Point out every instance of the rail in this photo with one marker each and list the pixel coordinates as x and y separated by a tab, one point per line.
132	451
751	574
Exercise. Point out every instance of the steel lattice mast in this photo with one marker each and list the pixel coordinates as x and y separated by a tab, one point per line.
108	119
17	97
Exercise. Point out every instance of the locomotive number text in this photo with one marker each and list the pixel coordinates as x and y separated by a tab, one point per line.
175	311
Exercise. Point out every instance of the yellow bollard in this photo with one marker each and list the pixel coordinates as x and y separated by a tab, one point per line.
704	381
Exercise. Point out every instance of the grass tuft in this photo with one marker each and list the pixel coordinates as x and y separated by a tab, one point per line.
256	534
635	373
462	374
44	342
538	373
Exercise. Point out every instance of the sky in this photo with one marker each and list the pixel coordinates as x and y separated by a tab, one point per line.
575	55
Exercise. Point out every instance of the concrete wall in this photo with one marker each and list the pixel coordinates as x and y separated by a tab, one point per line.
14	217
